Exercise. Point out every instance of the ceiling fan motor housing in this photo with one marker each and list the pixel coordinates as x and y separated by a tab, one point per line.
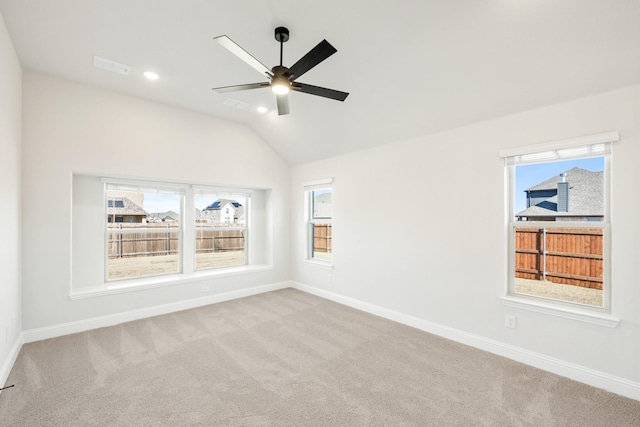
281	71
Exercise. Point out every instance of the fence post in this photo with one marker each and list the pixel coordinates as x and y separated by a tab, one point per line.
538	257
120	242
544	254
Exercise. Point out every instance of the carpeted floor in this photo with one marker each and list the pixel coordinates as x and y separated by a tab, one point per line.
287	358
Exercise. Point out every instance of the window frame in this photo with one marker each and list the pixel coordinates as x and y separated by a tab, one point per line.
534	154
186	234
310	221
144	187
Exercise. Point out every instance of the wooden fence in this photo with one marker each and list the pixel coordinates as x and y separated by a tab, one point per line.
572	256
128	240
219	240
322	237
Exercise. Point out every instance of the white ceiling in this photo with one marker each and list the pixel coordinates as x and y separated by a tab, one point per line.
412	67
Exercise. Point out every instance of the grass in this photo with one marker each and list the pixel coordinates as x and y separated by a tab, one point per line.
324	256
570	293
143	266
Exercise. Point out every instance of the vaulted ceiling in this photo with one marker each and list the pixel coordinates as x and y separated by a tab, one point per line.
411	68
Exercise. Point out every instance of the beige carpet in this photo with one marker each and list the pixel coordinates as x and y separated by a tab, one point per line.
287	358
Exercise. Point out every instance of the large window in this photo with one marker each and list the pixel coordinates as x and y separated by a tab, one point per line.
559	222
319	215
133	233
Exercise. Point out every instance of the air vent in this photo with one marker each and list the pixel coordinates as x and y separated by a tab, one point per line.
235	103
108	65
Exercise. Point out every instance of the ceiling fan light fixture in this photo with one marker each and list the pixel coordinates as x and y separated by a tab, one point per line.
280	85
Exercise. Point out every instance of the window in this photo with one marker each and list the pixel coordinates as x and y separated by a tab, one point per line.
221	228
143	230
319	213
131	234
559	222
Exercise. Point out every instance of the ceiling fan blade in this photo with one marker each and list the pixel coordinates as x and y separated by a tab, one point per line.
241	87
234	48
283	104
319	91
322	51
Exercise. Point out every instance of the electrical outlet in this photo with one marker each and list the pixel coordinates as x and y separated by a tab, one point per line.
204	289
510	321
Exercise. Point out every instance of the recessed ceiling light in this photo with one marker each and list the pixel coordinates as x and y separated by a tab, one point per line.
262	110
151	75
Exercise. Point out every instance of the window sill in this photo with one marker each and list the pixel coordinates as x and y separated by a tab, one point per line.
320	264
134	285
577	314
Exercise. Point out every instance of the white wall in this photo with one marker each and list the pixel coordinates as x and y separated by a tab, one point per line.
445	262
73	128
10	129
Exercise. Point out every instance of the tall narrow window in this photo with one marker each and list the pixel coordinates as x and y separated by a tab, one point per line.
221	228
143	230
559	222
319	210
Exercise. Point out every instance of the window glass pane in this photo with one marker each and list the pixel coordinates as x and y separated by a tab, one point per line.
321	204
221	227
143	234
321	238
571	190
560	263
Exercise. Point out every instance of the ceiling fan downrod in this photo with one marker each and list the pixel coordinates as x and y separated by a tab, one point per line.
282	35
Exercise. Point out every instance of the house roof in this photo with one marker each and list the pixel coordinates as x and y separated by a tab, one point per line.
123	206
586	195
218	204
170	216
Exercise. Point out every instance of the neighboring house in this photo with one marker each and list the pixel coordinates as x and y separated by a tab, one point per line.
575	195
163	216
122	209
169	216
224	211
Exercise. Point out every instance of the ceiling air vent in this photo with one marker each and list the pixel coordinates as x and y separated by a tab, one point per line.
108	65
235	103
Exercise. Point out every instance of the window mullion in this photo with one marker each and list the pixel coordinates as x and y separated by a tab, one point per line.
187	226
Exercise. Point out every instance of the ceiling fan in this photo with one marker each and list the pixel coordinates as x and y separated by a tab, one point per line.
283	79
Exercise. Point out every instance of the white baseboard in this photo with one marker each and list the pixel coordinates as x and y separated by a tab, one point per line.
575	372
38	334
11	360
